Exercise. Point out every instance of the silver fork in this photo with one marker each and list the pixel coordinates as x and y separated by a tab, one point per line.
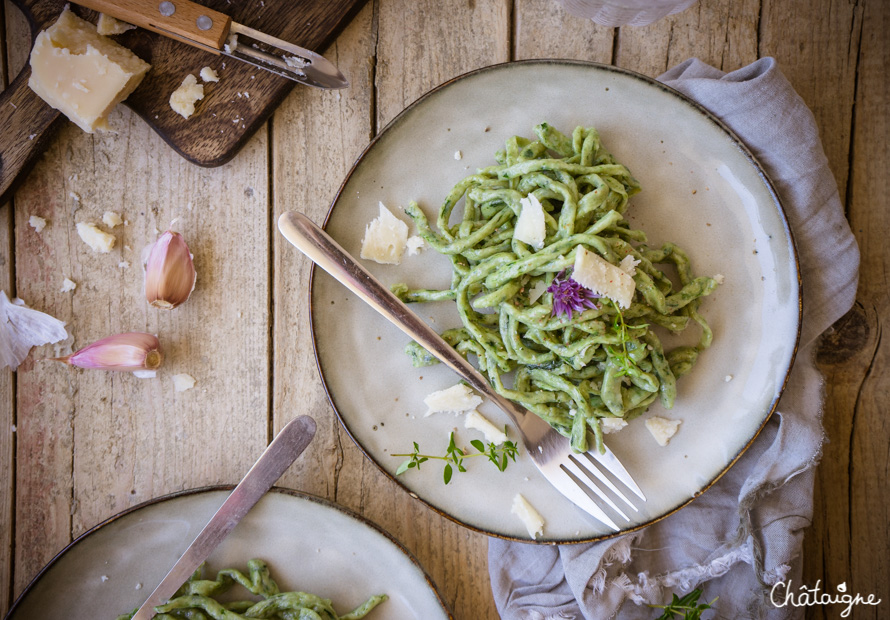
572	474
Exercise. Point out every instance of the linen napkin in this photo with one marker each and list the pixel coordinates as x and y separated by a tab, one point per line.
745	533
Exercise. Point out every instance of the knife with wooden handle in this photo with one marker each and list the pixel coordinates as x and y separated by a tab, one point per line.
216	33
284	449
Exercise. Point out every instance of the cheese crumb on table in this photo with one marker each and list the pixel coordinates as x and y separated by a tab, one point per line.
98	240
67	285
37	223
603	278
209	75
530	517
183	99
182	382
476	421
415	244
456	399
112	219
662	429
109	25
82	73
386	238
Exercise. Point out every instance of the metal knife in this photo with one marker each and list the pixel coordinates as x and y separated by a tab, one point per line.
284	449
216	33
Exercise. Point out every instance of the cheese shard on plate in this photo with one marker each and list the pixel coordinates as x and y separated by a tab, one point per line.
662	429
456	399
183	98
603	278
385	238
81	73
530	517
531	225
476	421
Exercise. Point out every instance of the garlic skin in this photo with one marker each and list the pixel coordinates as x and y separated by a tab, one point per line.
127	352
22	328
170	274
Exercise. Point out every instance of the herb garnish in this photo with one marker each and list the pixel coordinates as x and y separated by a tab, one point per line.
687	607
570	296
454	456
626	363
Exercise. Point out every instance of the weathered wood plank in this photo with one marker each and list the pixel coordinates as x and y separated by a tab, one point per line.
849	541
91	443
543	29
722	33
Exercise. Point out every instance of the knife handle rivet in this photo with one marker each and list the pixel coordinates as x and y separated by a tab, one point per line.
167	8
204	23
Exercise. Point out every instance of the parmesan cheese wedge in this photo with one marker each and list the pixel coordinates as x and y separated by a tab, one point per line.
385	238
81	73
98	240
662	429
603	278
530	225
530	517
478	422
456	399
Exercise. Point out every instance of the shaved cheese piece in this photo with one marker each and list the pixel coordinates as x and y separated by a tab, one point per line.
183	98
37	223
100	241
478	422
456	399
530	517
109	25
662	429
68	285
603	278
612	425
415	244
112	219
530	227
385	238
209	75
628	265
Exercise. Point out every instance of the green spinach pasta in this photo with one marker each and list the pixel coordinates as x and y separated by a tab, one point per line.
197	600
579	357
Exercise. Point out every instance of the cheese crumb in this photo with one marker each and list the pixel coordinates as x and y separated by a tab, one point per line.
209	75
98	240
719	278
67	285
415	244
476	421
727	378
37	223
183	99
124	264
628	265
183	382
612	425
530	225
112	219
109	25
662	429
456	399
385	240
530	517
81	73
458	155
603	278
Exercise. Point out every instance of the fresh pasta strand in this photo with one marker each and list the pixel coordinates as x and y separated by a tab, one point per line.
599	360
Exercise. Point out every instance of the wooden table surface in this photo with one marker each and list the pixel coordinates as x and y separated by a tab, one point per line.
77	446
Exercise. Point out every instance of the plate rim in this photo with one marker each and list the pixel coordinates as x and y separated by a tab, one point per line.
682	98
362	520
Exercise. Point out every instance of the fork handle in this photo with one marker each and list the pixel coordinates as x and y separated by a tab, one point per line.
327	254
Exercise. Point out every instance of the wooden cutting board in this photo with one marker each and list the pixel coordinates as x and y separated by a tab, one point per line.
231	111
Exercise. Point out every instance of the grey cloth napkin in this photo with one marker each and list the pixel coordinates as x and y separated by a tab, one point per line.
746	532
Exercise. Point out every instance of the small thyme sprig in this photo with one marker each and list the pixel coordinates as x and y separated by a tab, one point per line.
625	362
454	456
687	607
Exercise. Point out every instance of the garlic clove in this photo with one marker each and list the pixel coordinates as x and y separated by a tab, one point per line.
170	274
125	352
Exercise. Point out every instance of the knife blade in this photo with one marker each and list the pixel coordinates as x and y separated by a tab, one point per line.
216	33
278	456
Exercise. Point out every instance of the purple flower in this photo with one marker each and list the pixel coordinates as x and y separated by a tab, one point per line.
570	296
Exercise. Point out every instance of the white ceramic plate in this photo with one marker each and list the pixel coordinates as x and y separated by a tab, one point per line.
701	189
310	545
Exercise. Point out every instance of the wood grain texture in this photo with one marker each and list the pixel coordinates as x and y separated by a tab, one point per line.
88	444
